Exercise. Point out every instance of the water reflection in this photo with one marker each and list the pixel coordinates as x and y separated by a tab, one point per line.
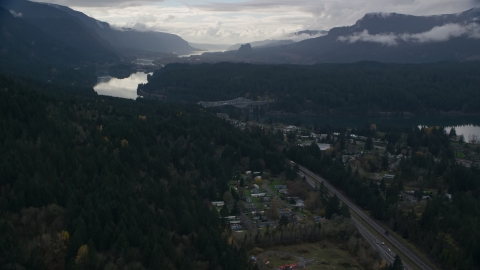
471	133
124	88
144	62
466	125
191	53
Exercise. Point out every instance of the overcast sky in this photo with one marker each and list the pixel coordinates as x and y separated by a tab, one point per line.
236	21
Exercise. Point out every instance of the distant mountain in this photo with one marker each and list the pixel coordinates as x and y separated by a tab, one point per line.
64	28
132	39
79	30
28	51
262	44
244	50
388	37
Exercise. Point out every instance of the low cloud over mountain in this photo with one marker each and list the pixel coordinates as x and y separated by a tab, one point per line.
436	34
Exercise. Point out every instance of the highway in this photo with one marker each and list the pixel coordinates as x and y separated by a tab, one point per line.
382	249
394	242
376	243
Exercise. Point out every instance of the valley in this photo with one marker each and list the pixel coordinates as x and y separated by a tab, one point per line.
125	146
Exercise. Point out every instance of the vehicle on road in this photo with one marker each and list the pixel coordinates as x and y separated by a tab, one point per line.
383	243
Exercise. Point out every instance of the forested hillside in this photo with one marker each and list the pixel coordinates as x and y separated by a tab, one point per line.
364	88
93	182
27	51
89	182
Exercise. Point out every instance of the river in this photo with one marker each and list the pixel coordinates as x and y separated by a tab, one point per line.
124	88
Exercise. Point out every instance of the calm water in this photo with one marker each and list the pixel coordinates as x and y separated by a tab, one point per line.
468	132
466	125
124	88
144	62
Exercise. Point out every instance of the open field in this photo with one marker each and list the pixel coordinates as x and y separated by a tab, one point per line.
312	256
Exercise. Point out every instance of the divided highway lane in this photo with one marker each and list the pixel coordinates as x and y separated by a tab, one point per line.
388	256
400	246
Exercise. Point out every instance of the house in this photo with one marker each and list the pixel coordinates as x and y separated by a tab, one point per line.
323	146
280	186
449	196
388	176
257	178
426	198
258	214
223	116
257	193
284	212
257	173
299	203
236	227
218	204
283	191
269	223
251	207
248	199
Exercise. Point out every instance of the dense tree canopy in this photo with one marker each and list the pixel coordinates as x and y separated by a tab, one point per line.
357	89
92	181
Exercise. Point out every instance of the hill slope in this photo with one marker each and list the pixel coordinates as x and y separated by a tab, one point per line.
352	89
28	51
64	28
96	37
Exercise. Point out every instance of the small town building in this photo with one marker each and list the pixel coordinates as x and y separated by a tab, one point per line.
218	204
388	176
223	116
323	146
270	223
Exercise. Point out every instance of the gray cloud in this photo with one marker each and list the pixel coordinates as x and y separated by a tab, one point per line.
436	34
100	3
247	20
15	14
384	39
169	18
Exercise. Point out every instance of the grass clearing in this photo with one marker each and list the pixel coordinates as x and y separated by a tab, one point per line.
320	255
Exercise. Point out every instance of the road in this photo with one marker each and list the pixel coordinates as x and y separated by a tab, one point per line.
400	246
382	250
247	222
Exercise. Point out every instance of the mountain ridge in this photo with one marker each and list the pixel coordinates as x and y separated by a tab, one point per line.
100	32
450	37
